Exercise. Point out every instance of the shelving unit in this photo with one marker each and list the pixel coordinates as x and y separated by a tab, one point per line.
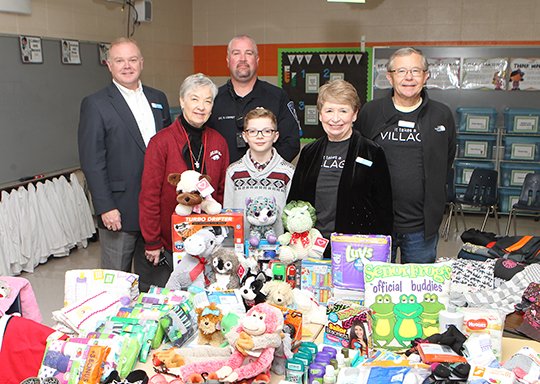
520	153
513	149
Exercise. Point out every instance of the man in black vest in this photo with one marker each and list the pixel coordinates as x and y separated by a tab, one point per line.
418	136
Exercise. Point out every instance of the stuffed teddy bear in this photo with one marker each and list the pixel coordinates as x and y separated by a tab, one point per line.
296	244
312	311
189	196
254	342
251	286
198	248
278	293
224	264
209	322
261	213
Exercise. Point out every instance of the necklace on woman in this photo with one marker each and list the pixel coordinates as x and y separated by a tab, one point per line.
195	163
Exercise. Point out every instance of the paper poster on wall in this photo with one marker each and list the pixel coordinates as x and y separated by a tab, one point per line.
484	73
31	51
103	50
301	71
70	52
524	74
443	73
379	69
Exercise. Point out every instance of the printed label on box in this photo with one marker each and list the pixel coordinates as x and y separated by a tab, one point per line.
523	151
478	123
476	149
467	173
518	177
526	124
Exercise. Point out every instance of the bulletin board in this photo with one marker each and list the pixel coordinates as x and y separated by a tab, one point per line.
39	105
303	70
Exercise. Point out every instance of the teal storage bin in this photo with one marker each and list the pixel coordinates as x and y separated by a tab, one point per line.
476	146
521	120
513	174
507	198
476	119
464	169
522	148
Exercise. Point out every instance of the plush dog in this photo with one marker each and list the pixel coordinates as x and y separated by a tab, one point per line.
251	287
209	320
278	293
312	311
261	213
189	198
224	264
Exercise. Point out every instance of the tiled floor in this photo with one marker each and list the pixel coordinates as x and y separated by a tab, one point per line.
48	279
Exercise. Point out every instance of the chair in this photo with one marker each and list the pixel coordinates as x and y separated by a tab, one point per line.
529	200
450	203
481	192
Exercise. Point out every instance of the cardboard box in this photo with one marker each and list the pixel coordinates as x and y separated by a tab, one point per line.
185	226
316	276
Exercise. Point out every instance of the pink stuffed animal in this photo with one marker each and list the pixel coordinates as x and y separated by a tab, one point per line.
254	342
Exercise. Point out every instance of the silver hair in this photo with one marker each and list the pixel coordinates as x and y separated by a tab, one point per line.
238	37
406	52
195	81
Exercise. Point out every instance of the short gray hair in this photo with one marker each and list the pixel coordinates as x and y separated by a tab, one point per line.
406	52
238	37
195	81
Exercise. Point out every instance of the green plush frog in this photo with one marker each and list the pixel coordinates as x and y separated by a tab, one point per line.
383	320
430	316
407	327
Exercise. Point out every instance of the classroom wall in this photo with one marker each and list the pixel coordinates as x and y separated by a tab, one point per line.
401	22
166	42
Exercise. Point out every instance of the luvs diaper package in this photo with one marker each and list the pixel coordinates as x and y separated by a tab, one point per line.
351	252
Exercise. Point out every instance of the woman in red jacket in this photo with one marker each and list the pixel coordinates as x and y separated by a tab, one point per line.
186	144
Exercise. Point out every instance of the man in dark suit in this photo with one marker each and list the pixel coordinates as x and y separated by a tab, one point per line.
116	124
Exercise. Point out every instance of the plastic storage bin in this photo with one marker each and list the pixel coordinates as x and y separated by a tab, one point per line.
522	148
508	197
476	119
513	174
464	169
476	146
520	120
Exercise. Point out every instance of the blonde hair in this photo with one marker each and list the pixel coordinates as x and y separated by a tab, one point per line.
123	40
260	113
340	92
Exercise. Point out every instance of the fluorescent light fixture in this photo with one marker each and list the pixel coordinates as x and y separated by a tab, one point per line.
16	6
347	1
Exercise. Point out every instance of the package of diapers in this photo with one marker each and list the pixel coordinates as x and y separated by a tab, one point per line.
349	254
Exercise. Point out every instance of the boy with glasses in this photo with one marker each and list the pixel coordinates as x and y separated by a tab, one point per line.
418	136
261	172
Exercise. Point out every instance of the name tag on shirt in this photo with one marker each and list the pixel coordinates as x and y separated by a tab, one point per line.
156	105
366	162
406	124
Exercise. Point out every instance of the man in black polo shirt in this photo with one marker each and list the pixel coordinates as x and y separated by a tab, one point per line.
244	92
